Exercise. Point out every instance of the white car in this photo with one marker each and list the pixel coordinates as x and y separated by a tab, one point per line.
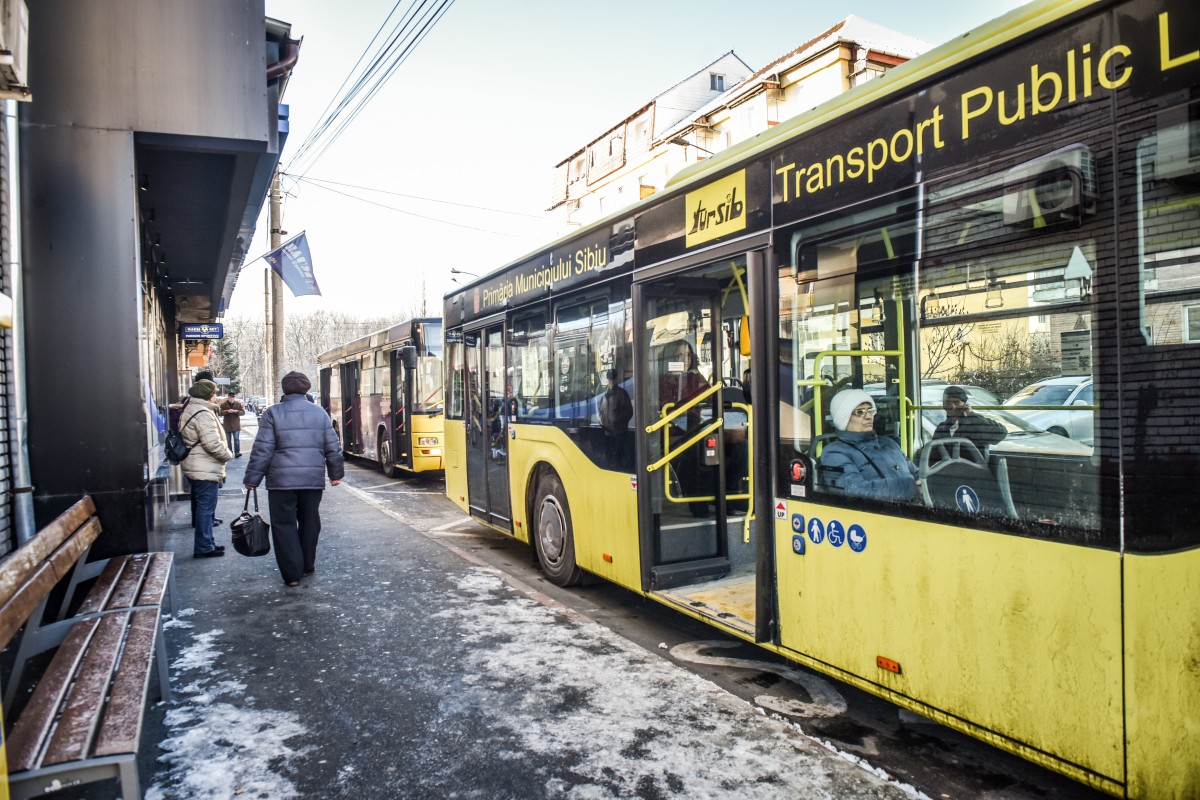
1023	437
1072	400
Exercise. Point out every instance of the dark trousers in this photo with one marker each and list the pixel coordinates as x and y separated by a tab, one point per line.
295	528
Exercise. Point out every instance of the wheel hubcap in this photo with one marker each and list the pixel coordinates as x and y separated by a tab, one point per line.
551	529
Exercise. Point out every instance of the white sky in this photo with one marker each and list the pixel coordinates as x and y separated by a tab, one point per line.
479	114
638	720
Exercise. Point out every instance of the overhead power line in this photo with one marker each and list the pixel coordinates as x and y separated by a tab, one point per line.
403	37
323	182
411	213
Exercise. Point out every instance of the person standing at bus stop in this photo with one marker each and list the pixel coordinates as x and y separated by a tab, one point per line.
296	447
205	463
232	410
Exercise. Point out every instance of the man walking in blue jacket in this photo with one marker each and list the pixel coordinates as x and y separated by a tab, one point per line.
296	447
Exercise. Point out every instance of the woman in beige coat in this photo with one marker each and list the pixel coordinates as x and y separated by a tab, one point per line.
205	463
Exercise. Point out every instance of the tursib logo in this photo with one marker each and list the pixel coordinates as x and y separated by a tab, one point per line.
731	209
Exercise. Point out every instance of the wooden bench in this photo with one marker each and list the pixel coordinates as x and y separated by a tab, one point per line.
83	718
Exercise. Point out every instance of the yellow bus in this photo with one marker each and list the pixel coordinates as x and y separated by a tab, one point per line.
760	396
383	392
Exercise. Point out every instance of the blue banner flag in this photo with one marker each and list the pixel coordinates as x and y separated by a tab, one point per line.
294	265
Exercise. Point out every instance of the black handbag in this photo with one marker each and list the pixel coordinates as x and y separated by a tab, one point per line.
250	533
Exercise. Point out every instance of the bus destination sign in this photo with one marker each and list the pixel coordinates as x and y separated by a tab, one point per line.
200	330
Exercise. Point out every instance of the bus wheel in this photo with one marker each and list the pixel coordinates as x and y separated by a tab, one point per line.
386	462
553	539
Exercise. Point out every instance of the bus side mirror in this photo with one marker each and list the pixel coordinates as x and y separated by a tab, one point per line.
408	357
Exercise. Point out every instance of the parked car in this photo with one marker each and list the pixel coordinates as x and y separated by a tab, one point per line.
1050	476
1023	436
1072	398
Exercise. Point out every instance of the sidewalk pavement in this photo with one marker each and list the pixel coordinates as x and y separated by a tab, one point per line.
401	670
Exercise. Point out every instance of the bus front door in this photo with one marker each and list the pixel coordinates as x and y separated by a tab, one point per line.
399	446
694	460
351	400
487	428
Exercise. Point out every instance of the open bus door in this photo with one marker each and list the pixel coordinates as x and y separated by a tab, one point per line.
695	455
487	426
351	402
323	381
396	449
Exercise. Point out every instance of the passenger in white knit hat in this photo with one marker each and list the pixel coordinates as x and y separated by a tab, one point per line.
842	407
859	462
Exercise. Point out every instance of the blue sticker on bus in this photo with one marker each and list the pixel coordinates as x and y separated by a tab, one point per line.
816	531
857	538
967	499
798	523
798	544
837	534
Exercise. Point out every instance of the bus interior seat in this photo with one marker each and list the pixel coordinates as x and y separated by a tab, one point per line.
814	455
955	474
732	394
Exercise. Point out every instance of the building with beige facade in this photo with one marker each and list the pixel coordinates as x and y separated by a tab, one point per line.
723	103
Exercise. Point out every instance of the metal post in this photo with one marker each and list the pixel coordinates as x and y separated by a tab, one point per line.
23	521
267	331
276	292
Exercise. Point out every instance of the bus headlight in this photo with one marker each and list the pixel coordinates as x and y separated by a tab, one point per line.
427	441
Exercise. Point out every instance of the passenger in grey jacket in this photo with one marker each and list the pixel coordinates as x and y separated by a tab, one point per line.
859	462
295	448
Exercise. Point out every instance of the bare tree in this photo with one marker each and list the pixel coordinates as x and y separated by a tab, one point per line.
944	346
305	337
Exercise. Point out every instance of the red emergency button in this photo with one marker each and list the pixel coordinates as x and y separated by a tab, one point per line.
798	471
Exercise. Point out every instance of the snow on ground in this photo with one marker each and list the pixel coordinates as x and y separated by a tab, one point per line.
640	725
630	723
217	747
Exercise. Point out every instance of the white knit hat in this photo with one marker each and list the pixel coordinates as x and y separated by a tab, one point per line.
844	403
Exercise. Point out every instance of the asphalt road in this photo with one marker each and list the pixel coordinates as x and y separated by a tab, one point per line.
429	658
935	760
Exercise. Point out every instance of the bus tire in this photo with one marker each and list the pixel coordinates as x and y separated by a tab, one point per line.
553	538
387	464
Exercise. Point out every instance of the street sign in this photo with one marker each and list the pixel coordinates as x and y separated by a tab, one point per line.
200	330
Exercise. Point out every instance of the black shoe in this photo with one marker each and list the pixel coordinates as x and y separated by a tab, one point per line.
291	584
308	572
217	522
221	547
217	553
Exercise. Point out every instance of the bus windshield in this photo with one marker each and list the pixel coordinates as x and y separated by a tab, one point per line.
427	393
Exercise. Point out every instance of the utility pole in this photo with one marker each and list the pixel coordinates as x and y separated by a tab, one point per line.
267	329
276	325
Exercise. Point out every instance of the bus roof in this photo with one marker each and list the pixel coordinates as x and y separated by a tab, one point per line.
400	332
1004	29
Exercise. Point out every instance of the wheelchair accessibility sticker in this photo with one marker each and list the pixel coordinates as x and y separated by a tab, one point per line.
819	530
967	499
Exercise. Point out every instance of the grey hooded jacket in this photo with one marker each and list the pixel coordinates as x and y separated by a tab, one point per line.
295	447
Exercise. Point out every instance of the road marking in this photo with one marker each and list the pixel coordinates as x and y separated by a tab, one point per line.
385	485
826	700
453	524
